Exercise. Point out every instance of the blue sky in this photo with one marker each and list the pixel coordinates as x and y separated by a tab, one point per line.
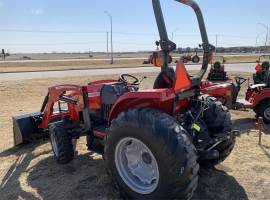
60	25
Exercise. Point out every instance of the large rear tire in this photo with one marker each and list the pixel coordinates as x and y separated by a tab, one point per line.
150	139
218	120
61	143
195	59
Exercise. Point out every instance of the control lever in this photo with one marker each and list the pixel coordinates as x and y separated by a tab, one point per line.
142	79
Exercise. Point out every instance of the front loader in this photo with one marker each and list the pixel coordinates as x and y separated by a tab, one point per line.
154	140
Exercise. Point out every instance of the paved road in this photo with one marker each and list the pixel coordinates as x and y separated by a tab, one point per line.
69	60
243	67
98	59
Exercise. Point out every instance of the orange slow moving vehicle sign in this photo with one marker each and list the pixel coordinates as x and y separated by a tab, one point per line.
182	80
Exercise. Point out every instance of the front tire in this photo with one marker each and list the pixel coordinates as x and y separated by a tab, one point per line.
61	142
263	110
150	156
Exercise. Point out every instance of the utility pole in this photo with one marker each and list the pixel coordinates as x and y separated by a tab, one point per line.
111	22
266	37
107	44
174	33
257	38
257	44
216	44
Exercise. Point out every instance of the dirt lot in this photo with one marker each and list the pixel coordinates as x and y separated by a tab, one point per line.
66	65
30	172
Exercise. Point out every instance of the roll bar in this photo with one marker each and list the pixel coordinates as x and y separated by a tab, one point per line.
167	46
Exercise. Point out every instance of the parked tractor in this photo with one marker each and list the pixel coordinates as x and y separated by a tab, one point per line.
261	70
257	96
217	71
188	58
153	141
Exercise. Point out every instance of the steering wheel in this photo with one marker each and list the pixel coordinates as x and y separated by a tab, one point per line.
240	80
124	78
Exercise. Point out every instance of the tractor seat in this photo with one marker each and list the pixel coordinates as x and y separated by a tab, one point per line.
161	82
217	66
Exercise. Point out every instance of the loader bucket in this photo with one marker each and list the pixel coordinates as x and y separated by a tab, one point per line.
25	128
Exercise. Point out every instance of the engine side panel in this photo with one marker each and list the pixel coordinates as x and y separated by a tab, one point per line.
261	96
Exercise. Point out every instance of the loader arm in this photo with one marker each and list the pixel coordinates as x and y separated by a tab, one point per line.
53	96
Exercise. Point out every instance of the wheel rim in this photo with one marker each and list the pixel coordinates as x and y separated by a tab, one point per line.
136	165
267	113
54	145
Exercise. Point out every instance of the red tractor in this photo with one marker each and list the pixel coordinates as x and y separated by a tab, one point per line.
217	71
152	59
153	141
261	70
188	58
257	95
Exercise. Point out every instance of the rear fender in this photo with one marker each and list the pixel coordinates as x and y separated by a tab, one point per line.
161	99
264	95
222	90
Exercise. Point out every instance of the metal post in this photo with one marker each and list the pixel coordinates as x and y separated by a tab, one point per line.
257	44
110	17
260	126
107	44
174	33
266	37
257	38
216	44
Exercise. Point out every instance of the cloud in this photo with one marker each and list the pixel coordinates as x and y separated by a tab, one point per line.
37	11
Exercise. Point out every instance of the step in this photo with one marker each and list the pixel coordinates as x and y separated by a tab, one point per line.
243	102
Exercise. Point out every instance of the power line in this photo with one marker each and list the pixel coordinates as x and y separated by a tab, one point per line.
73	43
50	44
72	32
49	31
118	33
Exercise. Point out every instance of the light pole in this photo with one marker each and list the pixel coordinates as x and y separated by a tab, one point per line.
257	38
216	44
174	31
107	44
267	32
111	21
